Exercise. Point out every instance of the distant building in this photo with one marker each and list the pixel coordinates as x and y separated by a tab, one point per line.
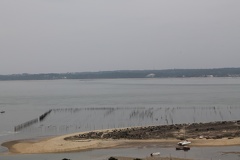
210	76
152	75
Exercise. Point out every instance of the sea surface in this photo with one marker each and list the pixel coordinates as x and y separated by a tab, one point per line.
85	105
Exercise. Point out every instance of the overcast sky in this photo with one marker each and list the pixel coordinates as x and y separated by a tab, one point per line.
43	36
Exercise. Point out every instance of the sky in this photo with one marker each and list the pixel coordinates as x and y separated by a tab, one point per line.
59	36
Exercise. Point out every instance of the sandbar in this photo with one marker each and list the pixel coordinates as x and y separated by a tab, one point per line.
58	144
225	133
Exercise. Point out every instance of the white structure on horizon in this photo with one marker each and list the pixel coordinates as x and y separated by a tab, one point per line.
152	75
210	76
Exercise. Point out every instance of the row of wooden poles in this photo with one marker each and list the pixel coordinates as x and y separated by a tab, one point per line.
31	122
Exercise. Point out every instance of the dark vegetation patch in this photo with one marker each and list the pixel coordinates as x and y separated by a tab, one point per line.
212	130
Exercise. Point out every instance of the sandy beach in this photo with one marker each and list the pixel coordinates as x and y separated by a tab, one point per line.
59	144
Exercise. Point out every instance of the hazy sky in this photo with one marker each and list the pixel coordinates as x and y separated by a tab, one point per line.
42	36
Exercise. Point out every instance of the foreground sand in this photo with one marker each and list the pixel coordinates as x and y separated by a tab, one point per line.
58	144
152	158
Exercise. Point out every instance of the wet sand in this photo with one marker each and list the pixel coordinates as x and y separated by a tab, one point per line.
58	144
152	158
82	141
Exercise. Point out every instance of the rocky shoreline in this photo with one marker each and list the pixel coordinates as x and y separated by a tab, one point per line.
211	130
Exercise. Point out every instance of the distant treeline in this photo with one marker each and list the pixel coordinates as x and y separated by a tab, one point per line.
169	73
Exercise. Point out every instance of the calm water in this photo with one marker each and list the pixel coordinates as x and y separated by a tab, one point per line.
82	105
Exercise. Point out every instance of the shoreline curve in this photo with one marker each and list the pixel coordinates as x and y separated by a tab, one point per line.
59	144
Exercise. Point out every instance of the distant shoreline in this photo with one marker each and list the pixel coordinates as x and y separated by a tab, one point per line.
226	134
167	73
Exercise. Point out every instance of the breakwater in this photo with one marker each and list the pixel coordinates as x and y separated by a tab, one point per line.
25	124
31	122
43	116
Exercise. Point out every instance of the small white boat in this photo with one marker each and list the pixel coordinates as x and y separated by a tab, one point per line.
155	154
183	143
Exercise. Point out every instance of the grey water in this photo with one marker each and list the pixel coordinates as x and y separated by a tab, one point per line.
84	105
198	153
